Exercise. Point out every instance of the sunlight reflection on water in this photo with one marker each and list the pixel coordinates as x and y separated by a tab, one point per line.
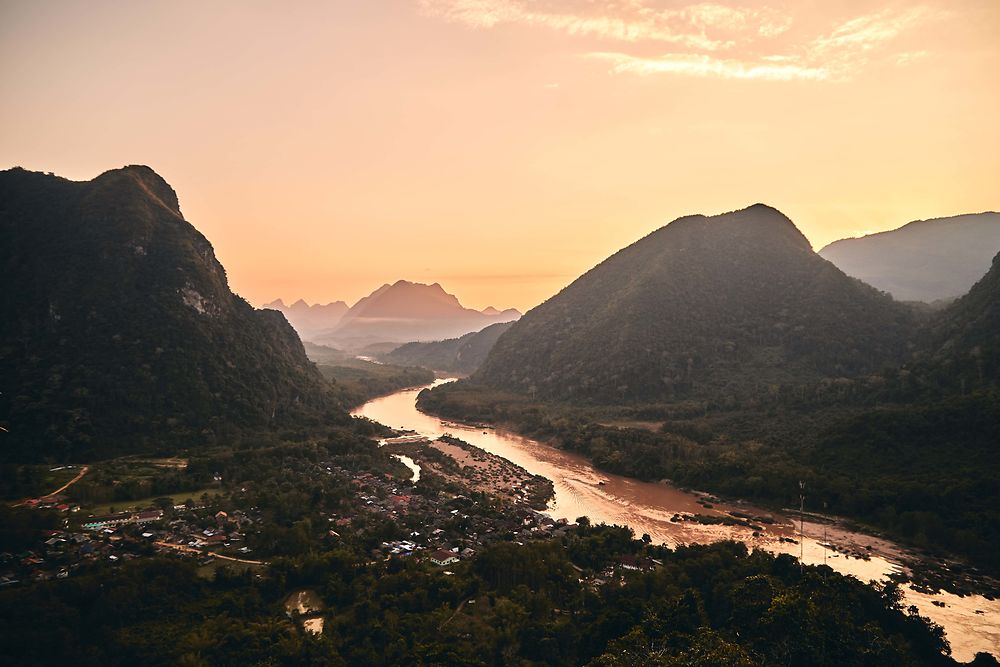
647	507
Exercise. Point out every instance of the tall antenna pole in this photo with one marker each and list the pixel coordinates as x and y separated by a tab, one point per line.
802	505
825	541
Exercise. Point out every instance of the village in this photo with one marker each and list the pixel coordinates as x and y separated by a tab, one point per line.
465	500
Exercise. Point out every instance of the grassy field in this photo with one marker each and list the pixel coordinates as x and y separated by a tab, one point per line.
39	480
177	498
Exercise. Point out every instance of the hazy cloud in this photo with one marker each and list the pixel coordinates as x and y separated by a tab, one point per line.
704	39
699	26
704	65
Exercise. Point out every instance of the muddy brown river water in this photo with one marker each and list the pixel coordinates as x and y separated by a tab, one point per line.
971	623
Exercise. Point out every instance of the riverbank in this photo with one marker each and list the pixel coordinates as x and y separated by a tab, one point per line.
925	478
456	461
972	622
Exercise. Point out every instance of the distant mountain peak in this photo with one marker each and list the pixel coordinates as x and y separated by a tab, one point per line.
408	311
924	260
308	320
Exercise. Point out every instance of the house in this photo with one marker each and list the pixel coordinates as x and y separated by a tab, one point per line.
629	562
123	518
442	557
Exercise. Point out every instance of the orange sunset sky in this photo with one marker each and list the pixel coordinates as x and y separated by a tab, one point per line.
503	147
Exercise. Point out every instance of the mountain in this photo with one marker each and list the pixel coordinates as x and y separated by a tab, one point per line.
118	331
960	350
455	355
925	260
308	320
972	323
726	308
508	315
406	311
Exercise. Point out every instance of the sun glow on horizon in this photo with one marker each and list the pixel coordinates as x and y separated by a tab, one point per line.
504	147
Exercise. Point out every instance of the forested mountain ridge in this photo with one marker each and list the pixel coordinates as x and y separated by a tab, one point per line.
120	333
727	307
969	330
909	447
924	260
454	355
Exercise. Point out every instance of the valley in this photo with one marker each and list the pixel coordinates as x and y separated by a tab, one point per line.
971	620
500	333
256	474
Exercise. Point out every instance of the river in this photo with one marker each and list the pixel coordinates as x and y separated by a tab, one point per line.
971	623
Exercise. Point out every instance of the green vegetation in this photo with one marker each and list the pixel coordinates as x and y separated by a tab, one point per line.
925	474
359	381
122	334
455	355
29	481
524	605
731	309
764	366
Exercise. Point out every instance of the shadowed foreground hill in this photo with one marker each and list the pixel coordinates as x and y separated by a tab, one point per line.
727	307
967	334
925	260
118	331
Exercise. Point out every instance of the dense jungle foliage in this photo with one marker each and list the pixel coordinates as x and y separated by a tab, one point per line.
456	355
536	604
122	334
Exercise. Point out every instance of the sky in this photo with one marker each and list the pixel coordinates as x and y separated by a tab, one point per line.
504	147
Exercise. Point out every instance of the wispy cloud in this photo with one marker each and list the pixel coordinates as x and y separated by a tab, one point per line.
703	39
869	31
704	65
630	21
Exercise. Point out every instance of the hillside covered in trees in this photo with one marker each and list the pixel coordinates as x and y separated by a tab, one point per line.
905	442
455	355
122	335
525	605
726	308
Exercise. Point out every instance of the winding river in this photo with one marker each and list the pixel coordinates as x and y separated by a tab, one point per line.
971	623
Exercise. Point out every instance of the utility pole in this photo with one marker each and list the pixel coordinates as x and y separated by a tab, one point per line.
802	506
825	542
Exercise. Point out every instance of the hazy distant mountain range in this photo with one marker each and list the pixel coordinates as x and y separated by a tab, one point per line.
726	306
397	313
308	320
925	260
118	331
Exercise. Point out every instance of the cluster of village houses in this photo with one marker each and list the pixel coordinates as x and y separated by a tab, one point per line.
122	536
441	531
